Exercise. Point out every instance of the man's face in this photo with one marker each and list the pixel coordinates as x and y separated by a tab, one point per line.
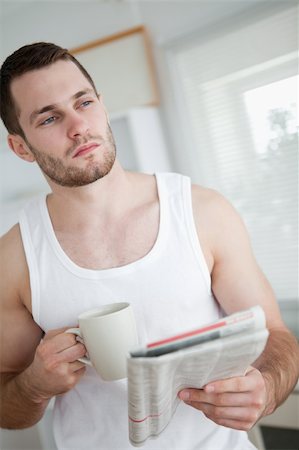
65	124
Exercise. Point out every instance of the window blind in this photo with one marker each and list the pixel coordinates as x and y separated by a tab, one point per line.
238	96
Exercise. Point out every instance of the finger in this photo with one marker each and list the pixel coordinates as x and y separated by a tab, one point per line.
77	366
219	413
235	424
223	399
51	333
59	342
236	384
191	395
72	353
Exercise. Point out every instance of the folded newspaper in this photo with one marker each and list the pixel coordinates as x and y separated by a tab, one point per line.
159	371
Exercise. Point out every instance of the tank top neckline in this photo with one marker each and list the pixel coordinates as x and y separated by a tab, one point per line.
113	271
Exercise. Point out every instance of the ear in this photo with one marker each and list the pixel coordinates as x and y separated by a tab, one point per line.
20	148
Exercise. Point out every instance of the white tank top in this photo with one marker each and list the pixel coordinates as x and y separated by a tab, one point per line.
170	292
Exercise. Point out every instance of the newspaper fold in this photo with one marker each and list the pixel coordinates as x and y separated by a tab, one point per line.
220	350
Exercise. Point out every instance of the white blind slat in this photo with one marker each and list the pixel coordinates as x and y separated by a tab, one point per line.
240	92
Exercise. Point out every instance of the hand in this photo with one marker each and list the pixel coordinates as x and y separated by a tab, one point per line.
235	402
55	368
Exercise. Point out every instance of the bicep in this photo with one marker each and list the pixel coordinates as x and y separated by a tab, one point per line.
20	335
237	280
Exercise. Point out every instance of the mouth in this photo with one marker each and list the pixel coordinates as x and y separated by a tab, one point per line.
85	149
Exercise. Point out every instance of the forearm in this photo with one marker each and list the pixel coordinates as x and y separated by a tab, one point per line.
20	407
279	364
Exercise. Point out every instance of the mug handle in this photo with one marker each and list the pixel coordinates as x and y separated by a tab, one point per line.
77	332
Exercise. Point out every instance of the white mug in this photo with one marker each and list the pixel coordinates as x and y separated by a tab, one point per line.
108	333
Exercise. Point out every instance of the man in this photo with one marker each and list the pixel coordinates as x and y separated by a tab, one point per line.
179	254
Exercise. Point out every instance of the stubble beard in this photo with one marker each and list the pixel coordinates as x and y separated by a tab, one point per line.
72	176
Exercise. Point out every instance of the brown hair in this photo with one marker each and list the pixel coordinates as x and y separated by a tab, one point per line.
27	58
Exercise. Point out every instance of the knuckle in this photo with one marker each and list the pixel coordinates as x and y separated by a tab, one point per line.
256	416
190	398
246	426
260	385
81	350
260	379
42	351
218	412
51	364
80	372
258	402
70	339
252	417
76	351
71	381
209	415
239	384
221	422
220	400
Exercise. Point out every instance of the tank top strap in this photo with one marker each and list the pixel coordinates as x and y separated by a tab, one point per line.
175	193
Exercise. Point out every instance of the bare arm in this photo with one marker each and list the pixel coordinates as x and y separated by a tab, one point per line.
238	283
279	365
32	369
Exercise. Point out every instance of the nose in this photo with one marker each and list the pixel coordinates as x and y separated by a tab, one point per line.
77	125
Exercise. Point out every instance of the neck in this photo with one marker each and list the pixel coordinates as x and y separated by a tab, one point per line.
104	200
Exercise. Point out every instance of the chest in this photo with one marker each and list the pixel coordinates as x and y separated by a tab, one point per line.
115	243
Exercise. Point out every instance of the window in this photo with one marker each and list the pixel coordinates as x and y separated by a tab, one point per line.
238	92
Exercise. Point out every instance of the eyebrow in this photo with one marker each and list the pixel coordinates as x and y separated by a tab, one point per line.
54	106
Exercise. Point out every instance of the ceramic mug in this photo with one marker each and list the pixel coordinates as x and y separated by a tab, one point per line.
108	333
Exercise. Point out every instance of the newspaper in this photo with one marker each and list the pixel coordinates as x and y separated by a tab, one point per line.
159	371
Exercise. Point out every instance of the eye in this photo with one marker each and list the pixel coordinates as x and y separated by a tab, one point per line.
86	103
48	121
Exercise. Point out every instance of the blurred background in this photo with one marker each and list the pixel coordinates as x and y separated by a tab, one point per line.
209	89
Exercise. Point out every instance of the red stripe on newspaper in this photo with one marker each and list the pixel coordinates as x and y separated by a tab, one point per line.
188	334
145	418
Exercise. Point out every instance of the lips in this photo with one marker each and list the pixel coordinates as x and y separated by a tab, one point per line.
85	149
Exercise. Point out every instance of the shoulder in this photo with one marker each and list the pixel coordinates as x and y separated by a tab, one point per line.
210	204
15	275
11	243
217	221
210	201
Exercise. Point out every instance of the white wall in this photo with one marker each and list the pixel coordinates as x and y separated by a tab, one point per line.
73	23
